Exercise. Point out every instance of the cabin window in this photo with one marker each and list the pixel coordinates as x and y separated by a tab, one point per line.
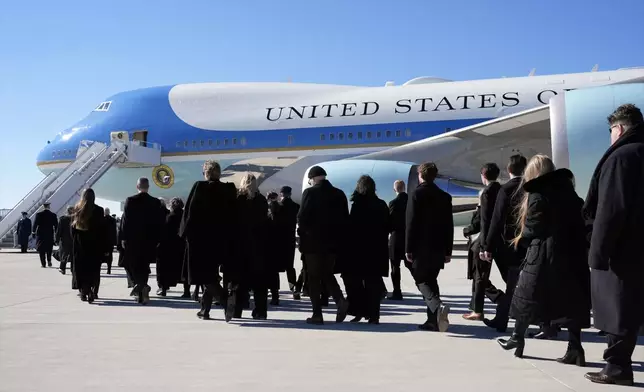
448	129
178	144
194	143
210	142
379	134
185	143
225	142
322	137
340	135
388	133
359	135
368	135
398	133
218	142
331	136
242	141
202	143
234	141
408	132
350	135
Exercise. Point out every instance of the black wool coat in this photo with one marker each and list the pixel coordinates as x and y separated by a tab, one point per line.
171	251
615	210
554	283
209	226
369	229
88	249
45	226
397	216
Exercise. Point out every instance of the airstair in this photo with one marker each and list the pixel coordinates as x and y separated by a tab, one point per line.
64	188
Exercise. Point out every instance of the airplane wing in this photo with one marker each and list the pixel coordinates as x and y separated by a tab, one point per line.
460	154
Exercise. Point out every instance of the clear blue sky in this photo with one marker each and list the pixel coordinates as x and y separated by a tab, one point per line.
59	59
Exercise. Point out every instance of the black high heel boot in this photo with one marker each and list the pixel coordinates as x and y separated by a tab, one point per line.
515	342
573	356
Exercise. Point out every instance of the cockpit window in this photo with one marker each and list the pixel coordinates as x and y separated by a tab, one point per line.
103	107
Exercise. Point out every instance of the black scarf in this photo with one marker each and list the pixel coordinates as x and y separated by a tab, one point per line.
634	135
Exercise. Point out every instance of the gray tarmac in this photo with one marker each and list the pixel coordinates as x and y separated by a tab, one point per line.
51	341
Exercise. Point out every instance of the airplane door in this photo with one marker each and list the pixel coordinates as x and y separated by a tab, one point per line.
141	137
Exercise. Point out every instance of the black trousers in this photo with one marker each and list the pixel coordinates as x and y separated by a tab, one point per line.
109	257
619	353
426	279
211	291
319	269
275	281
396	273
503	307
238	293
23	246
482	286
45	250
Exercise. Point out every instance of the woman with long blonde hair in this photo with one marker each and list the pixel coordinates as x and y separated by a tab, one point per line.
89	244
554	284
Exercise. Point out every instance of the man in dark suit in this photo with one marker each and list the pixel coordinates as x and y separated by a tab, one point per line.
429	239
287	214
44	230
615	208
141	226
23	232
110	225
482	268
397	216
502	230
64	240
322	219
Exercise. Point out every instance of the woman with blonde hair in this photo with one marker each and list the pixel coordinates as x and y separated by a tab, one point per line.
554	283
88	238
248	271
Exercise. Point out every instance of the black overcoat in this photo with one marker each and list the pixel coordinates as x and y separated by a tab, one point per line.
45	226
287	218
615	209
250	257
369	227
209	225
141	228
397	216
88	250
64	238
171	251
430	228
473	246
503	227
554	283
24	230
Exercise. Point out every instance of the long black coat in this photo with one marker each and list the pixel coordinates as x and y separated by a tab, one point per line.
24	230
488	201
88	249
64	238
554	284
503	224
45	226
615	208
397	216
171	251
287	218
209	226
322	219
369	228
430	228
250	257
141	227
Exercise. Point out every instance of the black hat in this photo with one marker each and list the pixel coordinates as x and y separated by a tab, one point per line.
46	204
24	213
286	190
316	171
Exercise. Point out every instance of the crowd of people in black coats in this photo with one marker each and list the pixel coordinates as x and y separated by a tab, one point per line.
560	257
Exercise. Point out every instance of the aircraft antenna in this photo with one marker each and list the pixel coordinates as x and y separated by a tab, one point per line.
534	70
595	68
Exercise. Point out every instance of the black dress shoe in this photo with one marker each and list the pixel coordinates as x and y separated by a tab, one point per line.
341	314
514	343
203	316
601	378
315	320
395	296
374	321
428	326
494	323
356	319
573	357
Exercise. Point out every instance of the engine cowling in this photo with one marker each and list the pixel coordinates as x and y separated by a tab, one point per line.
344	174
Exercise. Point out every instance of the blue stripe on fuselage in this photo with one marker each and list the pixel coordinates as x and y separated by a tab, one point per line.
149	109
